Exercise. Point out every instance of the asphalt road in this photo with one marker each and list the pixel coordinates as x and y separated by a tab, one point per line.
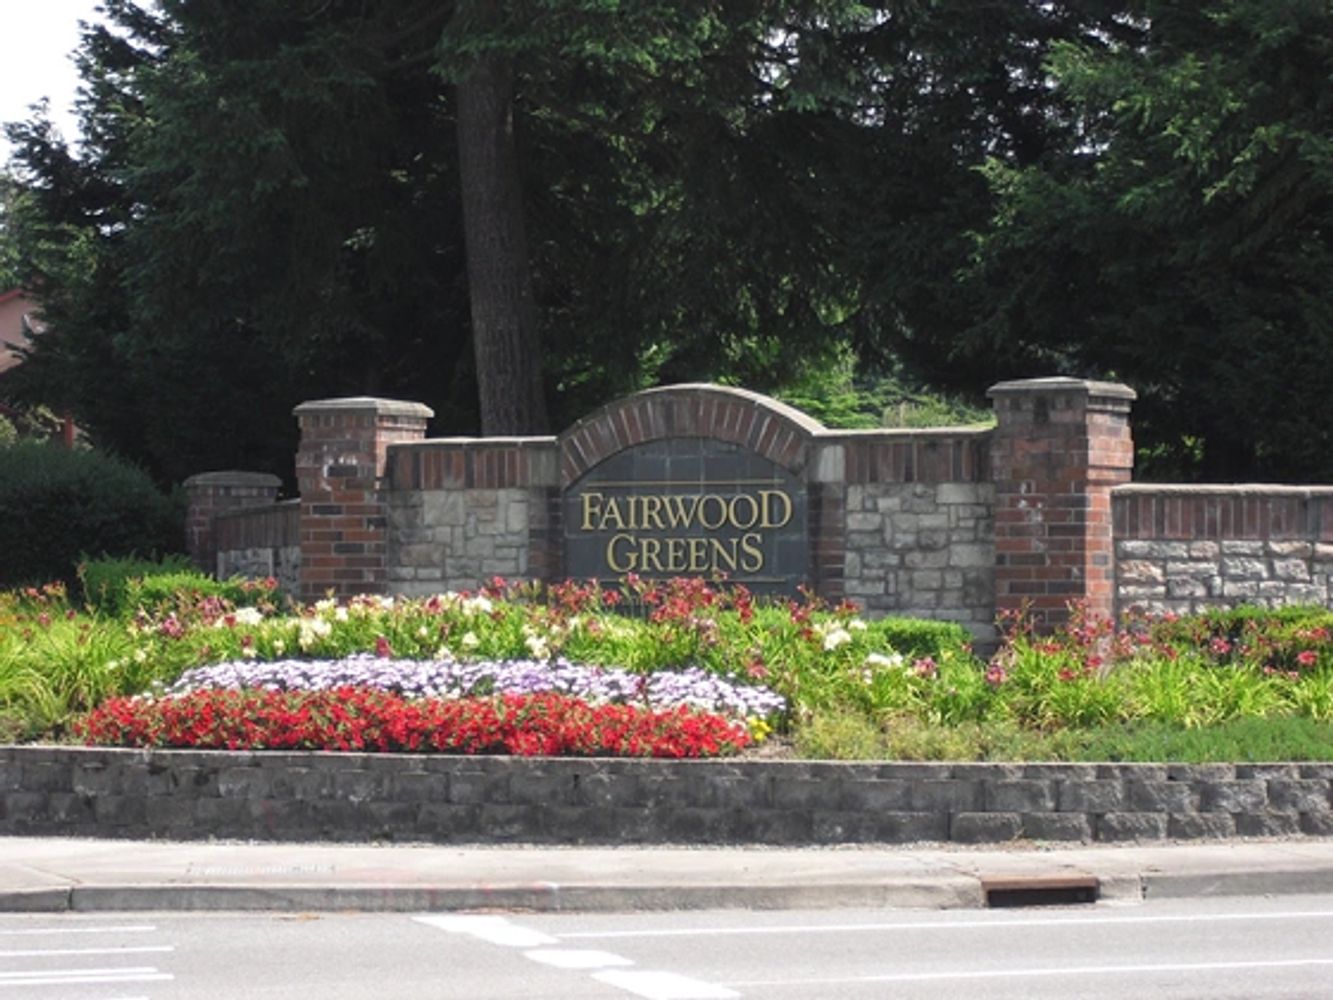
1218	948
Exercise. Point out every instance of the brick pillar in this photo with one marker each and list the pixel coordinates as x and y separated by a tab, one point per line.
340	467
1059	447
209	494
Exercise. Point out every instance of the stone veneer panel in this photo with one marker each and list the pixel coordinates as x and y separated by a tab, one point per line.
1185	549
923	550
456	539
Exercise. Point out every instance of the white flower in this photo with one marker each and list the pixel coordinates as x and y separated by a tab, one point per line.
279	646
837	637
340	614
537	647
248	616
423	632
328	604
469	641
856	625
880	660
141	656
479	605
248	652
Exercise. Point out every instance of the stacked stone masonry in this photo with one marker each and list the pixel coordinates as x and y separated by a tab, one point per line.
922	550
442	799
1188	549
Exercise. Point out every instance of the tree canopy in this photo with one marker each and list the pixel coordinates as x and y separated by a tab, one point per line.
272	204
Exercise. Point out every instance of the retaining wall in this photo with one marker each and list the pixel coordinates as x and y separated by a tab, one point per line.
445	799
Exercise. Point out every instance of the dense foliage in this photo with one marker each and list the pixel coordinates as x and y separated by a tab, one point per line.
56	505
270	198
690	669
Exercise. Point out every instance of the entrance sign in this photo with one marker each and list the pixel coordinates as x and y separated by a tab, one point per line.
688	507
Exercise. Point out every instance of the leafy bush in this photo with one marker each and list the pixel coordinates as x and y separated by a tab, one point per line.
56	504
120	586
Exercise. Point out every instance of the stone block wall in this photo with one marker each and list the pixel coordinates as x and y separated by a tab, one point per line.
261	542
1189	548
919	525
274	795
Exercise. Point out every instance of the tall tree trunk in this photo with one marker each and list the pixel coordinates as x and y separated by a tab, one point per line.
504	317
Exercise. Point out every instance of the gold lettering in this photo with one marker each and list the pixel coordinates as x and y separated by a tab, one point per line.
680	510
652	514
723	553
699	555
592	503
750	546
631	556
719	504
784	502
735	519
612	512
675	555
650	557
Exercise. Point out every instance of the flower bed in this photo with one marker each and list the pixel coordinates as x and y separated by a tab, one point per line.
365	719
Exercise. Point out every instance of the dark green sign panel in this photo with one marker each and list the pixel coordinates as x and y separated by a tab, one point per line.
689	507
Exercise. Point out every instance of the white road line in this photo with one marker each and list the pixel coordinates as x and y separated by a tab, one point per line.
930	925
135	950
5	977
573	958
66	980
1081	970
32	931
496	930
663	985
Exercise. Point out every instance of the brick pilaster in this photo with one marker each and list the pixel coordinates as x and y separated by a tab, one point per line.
1059	447
340	468
211	493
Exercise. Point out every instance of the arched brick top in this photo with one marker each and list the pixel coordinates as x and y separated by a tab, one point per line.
774	430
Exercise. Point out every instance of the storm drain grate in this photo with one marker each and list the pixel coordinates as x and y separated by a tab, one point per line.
1053	890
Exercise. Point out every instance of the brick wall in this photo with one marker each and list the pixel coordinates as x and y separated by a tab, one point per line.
331	796
261	542
947	523
1188	548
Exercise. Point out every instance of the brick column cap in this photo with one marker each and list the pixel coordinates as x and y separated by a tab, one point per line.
366	404
233	478
1063	383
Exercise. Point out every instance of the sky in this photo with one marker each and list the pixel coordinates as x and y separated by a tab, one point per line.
38	39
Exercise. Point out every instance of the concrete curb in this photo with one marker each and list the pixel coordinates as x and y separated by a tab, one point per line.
936	892
954	892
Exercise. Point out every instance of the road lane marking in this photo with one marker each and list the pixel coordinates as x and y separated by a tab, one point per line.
133	950
84	980
930	925
663	985
649	985
496	930
32	931
5	977
1081	970
574	958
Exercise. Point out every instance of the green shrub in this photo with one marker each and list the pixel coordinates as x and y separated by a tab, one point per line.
56	504
121	586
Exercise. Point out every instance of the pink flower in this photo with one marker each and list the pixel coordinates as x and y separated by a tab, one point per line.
382	647
1307	658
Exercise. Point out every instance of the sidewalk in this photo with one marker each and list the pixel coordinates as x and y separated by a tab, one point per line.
58	874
